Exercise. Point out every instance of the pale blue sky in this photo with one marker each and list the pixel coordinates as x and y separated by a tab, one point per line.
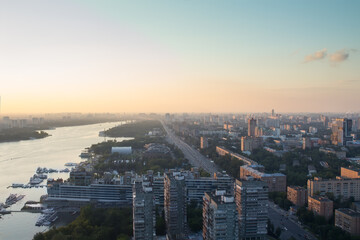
179	55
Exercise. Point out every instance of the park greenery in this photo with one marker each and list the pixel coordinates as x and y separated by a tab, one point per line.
134	129
272	232
194	217
19	134
94	224
280	199
138	162
297	163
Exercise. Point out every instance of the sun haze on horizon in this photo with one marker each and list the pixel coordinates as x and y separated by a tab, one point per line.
179	56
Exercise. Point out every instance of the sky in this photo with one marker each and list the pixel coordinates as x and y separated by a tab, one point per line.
179	56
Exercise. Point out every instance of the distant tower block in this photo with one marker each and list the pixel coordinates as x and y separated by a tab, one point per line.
251	127
204	143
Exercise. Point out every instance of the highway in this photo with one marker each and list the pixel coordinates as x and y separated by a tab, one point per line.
289	225
195	157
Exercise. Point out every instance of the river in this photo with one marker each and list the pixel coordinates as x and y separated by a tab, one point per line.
19	161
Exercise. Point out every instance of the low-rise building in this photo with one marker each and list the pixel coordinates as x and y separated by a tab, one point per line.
121	150
104	195
275	181
222	151
339	154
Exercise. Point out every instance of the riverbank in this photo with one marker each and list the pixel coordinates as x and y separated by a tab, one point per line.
136	129
21	134
32	133
19	161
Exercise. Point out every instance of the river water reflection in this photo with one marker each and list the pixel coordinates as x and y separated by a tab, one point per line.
19	161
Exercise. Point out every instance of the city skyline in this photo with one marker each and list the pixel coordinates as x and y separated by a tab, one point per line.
203	56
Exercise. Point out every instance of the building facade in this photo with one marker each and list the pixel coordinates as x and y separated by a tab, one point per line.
350	172
344	187
321	206
250	143
204	142
144	217
251	127
276	181
220	217
297	195
348	220
175	206
341	131
103	195
251	198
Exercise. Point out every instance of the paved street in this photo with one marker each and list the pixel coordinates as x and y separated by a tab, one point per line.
195	157
289	225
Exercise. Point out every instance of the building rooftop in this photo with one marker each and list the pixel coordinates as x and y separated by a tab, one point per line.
220	199
250	168
296	187
320	199
348	211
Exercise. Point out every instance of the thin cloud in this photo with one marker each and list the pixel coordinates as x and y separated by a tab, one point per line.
339	56
316	56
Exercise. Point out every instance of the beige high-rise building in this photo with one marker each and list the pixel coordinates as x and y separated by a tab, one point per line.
297	195
345	187
204	142
350	172
321	206
348	220
341	130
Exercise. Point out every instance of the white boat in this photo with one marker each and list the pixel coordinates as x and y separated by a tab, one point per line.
84	154
42	176
64	170
35	180
16	185
48	211
46	223
40	170
4	211
19	197
69	164
11	199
